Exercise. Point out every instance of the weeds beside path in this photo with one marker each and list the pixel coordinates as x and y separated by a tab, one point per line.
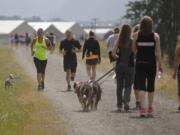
23	110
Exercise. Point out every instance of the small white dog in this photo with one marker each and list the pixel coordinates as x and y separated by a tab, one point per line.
9	82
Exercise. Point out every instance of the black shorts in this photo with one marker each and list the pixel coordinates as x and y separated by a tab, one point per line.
145	79
92	62
70	65
40	65
111	59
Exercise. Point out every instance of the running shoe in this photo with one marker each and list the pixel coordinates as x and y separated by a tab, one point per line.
150	111
126	107
142	112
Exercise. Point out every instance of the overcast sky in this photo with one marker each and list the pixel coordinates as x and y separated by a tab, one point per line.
65	9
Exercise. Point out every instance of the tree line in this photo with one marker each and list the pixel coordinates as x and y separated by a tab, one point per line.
166	17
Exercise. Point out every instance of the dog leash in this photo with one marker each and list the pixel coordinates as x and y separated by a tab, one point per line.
107	73
106	78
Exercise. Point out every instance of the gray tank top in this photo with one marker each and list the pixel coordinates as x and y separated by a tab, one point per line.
126	56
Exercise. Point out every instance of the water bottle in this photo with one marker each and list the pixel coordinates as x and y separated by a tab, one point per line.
159	75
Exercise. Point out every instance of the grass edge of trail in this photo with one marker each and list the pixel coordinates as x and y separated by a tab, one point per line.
24	110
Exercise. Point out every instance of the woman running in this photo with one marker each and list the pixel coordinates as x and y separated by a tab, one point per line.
39	48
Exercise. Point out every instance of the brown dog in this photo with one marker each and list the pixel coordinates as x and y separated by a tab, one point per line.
89	94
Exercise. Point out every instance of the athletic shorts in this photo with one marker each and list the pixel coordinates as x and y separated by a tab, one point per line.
145	79
70	65
178	79
40	65
92	62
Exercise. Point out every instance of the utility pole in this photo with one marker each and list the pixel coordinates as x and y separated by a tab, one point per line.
95	23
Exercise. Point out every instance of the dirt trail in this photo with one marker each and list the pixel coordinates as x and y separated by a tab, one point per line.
104	121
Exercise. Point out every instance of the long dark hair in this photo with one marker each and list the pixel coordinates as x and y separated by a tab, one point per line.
146	26
124	36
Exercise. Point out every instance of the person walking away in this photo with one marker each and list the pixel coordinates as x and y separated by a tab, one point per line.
91	52
39	48
52	39
124	67
176	72
69	47
111	41
136	92
16	40
27	40
146	46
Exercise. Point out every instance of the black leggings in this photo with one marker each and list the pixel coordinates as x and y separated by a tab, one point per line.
145	79
40	65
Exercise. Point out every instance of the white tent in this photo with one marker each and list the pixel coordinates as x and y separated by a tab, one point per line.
99	32
59	28
47	27
10	27
72	26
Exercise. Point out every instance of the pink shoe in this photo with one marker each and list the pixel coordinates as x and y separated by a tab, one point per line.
150	110
142	112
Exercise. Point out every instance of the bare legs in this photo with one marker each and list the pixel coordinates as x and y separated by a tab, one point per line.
91	71
40	79
69	77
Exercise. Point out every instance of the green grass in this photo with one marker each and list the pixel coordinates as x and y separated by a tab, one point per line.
23	110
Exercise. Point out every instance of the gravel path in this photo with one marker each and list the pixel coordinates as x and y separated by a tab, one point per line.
105	121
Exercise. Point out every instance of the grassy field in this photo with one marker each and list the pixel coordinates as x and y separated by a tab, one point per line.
23	110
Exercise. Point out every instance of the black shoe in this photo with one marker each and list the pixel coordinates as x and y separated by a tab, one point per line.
126	107
69	88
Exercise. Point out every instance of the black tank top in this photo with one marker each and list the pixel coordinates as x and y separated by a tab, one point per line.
146	50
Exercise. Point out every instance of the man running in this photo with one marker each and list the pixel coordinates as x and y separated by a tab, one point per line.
69	47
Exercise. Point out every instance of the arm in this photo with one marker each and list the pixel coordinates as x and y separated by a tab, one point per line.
176	61
84	49
99	52
115	49
78	47
134	46
107	41
158	52
48	44
32	47
61	46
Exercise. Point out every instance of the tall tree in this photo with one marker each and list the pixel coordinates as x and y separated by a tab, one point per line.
166	16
